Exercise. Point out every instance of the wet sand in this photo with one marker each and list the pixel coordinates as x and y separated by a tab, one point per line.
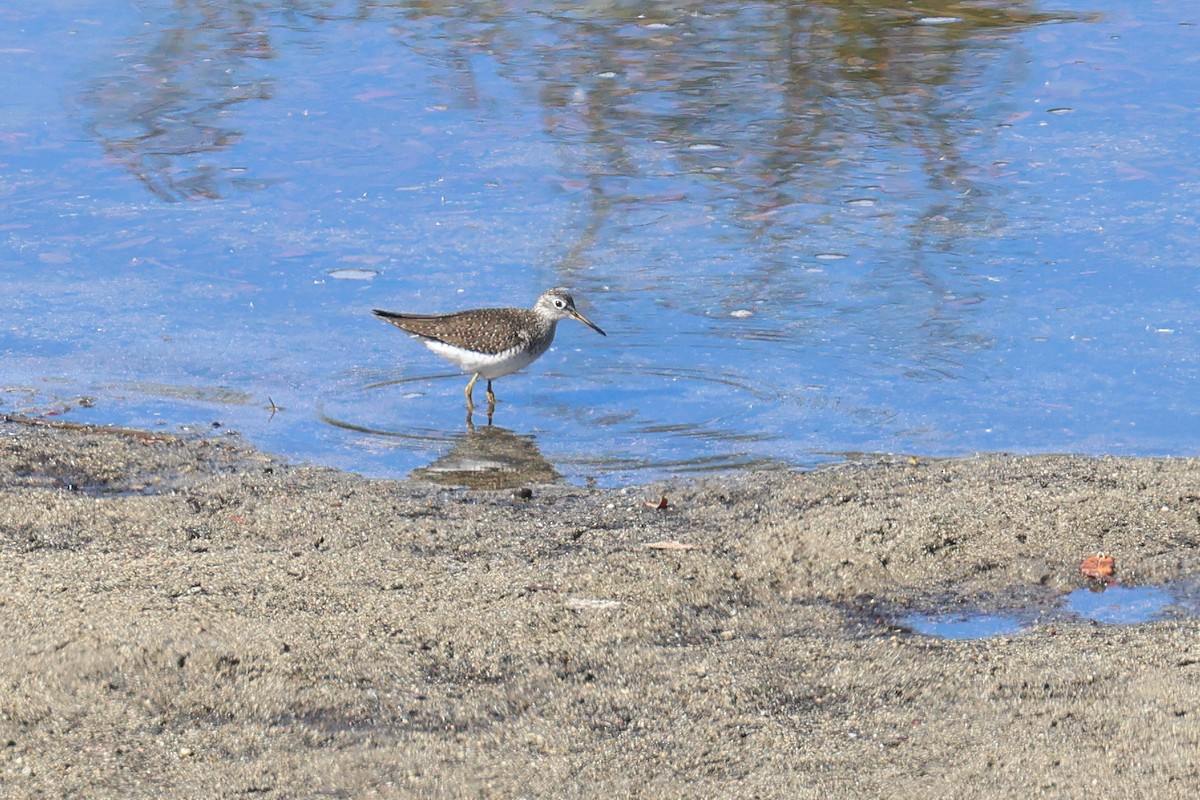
195	619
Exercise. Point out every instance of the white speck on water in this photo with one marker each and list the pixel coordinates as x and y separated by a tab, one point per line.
419	186
352	274
938	20
742	313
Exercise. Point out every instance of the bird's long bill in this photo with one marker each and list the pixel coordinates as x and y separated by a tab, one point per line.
587	322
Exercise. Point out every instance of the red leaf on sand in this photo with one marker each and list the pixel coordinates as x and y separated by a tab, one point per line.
1098	566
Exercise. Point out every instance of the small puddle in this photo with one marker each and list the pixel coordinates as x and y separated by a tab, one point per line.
962	626
1112	605
1122	605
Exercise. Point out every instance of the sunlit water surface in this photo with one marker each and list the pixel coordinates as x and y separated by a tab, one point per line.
809	229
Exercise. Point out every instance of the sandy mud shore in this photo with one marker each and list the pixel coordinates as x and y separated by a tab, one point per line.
196	619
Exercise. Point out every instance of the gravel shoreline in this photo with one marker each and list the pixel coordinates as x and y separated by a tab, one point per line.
191	618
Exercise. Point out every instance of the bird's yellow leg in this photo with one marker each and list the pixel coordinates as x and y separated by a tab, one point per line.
470	386
491	397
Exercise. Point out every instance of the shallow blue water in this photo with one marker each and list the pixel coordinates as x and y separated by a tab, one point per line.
964	626
1123	605
1108	605
809	230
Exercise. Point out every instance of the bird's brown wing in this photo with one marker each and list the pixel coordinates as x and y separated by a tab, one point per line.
484	330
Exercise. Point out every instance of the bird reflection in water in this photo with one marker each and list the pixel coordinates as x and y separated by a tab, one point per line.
489	457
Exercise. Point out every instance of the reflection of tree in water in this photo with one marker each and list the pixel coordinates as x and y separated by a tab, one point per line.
775	118
771	117
777	87
164	116
811	78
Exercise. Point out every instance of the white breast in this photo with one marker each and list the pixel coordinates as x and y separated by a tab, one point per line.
489	366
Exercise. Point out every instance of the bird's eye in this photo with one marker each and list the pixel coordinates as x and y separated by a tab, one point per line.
558	303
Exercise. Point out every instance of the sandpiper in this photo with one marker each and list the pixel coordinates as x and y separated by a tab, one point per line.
490	342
